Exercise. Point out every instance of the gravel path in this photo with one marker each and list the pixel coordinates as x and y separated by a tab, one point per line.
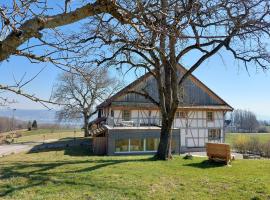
13	148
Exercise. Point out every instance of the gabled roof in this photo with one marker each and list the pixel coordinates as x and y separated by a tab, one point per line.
223	105
124	90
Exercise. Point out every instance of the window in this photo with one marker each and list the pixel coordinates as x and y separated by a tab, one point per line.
210	116
151	144
99	113
214	134
112	113
181	114
122	145
126	115
136	145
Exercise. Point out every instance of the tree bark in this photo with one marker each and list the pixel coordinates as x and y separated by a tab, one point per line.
164	148
86	128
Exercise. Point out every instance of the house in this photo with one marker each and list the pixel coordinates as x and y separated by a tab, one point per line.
128	123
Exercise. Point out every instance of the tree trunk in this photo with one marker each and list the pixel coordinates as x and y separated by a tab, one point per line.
86	128
164	148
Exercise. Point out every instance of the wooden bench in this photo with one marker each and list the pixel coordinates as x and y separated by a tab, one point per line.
219	151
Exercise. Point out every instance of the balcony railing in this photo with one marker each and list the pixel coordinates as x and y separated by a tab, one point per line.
133	122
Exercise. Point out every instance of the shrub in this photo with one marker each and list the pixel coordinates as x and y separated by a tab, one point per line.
254	146
266	149
241	143
263	129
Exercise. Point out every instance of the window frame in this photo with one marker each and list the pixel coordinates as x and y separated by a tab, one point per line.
183	114
141	151
212	116
124	117
217	132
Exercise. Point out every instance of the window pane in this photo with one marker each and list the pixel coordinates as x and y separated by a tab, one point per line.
152	144
126	115
214	134
173	146
136	144
121	145
210	116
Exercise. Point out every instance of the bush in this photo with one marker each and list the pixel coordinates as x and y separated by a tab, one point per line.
251	145
263	129
266	149
254	146
241	143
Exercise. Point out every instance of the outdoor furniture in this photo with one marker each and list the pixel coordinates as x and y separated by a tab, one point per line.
219	152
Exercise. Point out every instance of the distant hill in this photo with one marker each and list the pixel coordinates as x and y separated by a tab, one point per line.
42	116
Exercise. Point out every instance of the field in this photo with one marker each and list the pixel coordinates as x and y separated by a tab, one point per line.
41	135
263	137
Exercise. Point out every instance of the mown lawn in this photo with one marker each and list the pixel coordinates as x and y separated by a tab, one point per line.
263	137
72	173
40	135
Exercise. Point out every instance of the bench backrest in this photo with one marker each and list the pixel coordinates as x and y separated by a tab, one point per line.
218	150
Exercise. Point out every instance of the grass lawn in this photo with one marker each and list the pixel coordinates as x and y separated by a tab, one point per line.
40	135
72	173
263	137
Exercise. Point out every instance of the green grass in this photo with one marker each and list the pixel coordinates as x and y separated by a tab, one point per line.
74	174
263	137
40	135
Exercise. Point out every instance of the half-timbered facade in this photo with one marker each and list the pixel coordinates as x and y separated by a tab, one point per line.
129	123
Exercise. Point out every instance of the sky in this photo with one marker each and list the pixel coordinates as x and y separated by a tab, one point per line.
226	77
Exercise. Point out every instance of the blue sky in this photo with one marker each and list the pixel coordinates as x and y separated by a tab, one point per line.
226	77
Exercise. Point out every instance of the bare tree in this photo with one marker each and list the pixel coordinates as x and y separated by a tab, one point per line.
80	93
34	29
161	33
244	121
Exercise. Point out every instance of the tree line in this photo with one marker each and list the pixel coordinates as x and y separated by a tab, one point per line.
246	121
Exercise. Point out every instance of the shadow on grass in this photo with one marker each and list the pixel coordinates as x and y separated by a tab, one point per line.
71	147
43	173
206	164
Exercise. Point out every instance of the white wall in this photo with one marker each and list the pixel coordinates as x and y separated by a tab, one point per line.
194	129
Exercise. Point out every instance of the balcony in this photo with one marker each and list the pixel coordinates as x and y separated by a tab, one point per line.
133	122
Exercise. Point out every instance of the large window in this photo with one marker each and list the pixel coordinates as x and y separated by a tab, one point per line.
214	134
151	144
122	145
136	145
126	115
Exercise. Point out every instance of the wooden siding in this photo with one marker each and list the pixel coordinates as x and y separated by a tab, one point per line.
193	94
